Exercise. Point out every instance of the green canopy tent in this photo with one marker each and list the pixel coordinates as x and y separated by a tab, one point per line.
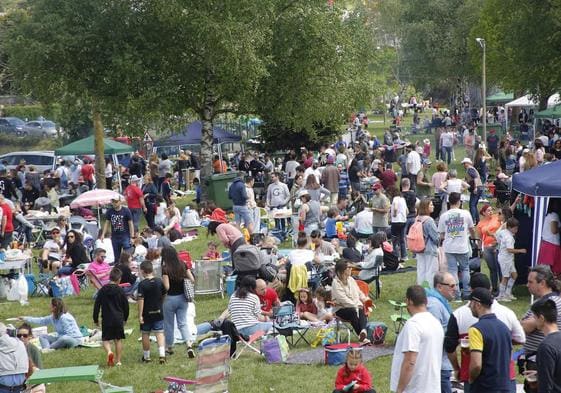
87	146
500	97
549	113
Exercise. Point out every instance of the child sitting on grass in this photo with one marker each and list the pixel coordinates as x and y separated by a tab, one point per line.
212	251
114	312
305	306
324	304
151	294
505	241
353	376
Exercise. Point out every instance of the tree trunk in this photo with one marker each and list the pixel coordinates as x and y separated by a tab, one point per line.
99	148
207	116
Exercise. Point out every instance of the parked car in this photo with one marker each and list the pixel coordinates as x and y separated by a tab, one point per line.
11	125
39	128
41	160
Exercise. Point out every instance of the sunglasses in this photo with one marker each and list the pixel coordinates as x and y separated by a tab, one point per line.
20	335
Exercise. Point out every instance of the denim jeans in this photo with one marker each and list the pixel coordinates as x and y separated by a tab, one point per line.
491	257
459	263
446	154
136	214
249	330
175	308
473	201
445	383
241	213
66	270
64	341
203	328
120	243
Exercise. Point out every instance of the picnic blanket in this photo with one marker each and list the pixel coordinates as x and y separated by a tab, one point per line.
316	356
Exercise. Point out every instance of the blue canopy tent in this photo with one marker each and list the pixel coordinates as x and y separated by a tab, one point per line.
192	135
542	183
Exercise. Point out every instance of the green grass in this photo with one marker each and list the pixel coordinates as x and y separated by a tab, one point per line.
250	373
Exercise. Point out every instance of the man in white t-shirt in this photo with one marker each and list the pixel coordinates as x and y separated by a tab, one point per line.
455	227
413	164
447	145
462	319
363	224
418	350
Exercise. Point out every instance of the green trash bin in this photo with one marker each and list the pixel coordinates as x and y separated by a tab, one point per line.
218	186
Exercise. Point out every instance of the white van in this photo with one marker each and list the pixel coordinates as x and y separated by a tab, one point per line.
41	160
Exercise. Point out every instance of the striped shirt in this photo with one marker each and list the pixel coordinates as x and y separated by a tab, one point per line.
534	338
244	312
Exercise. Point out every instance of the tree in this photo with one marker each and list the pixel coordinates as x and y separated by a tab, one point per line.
523	42
322	69
83	49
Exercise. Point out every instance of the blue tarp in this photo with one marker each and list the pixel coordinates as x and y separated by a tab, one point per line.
541	181
192	135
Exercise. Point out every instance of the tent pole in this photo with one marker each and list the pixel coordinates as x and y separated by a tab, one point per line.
116	163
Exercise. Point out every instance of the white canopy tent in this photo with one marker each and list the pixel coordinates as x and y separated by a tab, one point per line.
527	102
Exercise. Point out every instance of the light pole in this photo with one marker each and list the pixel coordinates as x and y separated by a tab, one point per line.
481	43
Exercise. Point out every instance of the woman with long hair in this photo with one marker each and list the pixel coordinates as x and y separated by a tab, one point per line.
76	253
349	299
245	309
174	272
229	235
314	189
398	219
427	261
173	227
68	332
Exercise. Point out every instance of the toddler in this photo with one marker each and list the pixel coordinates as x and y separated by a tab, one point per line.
212	251
324	305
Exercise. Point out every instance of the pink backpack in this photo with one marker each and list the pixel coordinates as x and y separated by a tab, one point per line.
416	237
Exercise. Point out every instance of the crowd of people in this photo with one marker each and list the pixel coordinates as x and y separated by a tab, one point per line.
348	212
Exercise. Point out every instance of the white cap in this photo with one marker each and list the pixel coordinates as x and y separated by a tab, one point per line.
135	178
467	160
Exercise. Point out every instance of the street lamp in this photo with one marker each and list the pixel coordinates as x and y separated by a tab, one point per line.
481	43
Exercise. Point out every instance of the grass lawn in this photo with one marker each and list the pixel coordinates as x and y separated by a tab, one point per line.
250	373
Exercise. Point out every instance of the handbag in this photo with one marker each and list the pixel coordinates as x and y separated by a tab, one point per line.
189	290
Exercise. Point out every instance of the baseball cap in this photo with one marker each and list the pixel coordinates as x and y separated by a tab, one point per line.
482	295
377	186
135	178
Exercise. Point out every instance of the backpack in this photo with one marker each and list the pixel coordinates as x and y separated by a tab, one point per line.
416	237
391	261
376	332
247	258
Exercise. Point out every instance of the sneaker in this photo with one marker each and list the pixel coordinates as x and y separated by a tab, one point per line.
365	342
169	351
190	353
146	360
511	297
47	350
110	359
162	360
118	364
503	299
362	335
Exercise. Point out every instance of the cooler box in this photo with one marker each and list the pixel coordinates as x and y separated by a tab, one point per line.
231	285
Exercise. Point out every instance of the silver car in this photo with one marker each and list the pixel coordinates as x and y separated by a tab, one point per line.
43	128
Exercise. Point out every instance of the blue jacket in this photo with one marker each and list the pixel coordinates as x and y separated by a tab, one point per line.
64	326
237	192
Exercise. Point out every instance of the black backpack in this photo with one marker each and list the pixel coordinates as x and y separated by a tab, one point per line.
391	261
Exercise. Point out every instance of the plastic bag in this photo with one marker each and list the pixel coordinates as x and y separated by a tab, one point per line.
13	292
22	289
191	326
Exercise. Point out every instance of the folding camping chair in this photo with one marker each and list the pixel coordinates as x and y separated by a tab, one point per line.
286	322
213	368
69	374
399	319
247	343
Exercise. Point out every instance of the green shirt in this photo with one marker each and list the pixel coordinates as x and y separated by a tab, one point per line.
380	202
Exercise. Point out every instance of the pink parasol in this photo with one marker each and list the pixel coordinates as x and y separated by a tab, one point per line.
95	198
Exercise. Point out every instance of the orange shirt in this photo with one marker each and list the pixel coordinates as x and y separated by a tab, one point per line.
490	225
219	166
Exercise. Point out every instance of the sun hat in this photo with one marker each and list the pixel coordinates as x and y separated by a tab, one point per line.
467	160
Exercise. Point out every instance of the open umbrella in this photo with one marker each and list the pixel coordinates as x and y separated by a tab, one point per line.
95	198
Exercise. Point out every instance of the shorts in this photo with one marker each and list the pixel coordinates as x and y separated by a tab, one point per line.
242	213
154	326
507	267
109	333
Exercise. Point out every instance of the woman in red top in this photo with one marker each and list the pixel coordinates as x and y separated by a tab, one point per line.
353	376
305	306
